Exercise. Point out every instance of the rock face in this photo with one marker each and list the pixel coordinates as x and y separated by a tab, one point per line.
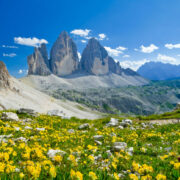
4	76
64	58
38	62
95	60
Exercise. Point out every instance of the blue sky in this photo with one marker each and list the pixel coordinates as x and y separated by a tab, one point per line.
133	31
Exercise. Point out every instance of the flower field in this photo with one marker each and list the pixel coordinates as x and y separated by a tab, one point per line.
47	147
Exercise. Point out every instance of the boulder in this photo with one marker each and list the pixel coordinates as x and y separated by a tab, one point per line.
9	116
30	112
118	146
84	126
98	137
113	122
52	152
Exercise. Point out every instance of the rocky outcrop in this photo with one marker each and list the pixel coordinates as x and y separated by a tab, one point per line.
95	60
4	76
64	58
38	62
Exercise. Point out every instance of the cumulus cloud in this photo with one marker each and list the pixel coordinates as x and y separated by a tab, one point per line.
82	33
35	42
167	59
172	46
135	65
126	56
121	48
102	36
7	46
9	55
83	41
113	52
22	71
147	49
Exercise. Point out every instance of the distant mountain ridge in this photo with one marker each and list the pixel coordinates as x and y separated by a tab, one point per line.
159	71
64	59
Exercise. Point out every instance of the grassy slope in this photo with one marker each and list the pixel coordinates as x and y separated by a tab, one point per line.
32	160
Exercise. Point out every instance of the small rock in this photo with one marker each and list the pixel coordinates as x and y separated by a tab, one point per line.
120	127
51	153
55	112
113	122
9	116
30	112
98	142
98	137
28	128
83	126
117	146
40	129
168	149
71	131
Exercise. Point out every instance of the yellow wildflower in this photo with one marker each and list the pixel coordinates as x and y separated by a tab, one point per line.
160	177
92	175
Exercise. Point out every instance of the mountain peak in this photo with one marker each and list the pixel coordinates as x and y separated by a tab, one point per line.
38	61
95	59
4	76
64	58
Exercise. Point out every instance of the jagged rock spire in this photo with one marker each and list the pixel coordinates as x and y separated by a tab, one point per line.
4	76
38	62
95	60
63	57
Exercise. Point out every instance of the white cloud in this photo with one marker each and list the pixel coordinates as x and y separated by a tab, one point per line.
7	46
172	46
121	48
167	59
126	56
79	55
22	71
9	55
102	36
83	41
135	65
81	32
147	49
113	52
35	42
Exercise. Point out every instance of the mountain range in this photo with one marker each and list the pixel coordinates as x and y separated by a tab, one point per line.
159	71
64	68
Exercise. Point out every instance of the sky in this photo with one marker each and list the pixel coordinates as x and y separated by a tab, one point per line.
132	31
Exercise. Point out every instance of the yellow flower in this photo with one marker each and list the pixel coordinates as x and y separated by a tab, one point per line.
10	168
133	177
58	158
92	175
76	175
90	157
160	177
53	171
177	166
116	177
147	177
79	175
2	167
21	175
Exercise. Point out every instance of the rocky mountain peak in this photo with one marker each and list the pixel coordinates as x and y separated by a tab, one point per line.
95	60
4	76
63	57
38	62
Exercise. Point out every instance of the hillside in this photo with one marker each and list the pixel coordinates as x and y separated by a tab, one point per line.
155	97
46	147
159	71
